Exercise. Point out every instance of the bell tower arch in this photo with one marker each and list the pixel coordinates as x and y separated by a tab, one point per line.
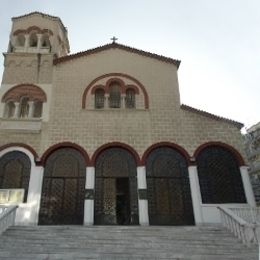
35	40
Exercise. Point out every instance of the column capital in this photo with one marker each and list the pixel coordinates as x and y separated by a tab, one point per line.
244	168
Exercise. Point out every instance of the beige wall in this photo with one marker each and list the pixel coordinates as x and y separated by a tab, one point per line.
28	68
163	121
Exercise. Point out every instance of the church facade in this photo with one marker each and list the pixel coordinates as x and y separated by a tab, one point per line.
100	136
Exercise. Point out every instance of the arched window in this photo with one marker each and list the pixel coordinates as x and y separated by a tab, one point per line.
24	107
219	176
114	95
130	98
33	40
20	41
63	188
45	41
99	98
37	109
168	188
15	168
9	109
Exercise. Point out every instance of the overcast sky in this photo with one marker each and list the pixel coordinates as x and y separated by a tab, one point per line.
217	41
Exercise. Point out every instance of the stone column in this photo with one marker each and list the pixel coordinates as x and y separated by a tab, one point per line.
31	109
17	109
195	194
34	195
27	41
39	41
123	101
247	186
106	101
89	196
142	196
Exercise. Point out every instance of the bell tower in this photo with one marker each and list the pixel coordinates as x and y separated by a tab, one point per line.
35	40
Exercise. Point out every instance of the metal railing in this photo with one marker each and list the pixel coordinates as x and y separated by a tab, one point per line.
7	217
242	222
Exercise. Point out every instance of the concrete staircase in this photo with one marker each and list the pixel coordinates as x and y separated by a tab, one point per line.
122	242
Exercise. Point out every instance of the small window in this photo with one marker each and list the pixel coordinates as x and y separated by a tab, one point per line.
24	107
114	95
20	40
99	98
130	98
9	109
45	41
37	109
33	40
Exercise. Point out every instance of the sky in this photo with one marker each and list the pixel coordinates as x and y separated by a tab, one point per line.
217	41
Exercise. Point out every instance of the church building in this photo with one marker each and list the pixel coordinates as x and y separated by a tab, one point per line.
100	137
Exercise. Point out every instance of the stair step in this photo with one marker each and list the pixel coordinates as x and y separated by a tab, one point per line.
122	242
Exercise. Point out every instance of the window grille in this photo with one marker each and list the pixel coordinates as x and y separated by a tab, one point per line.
37	109
130	98
46	41
219	176
114	96
99	98
33	40
20	40
15	168
24	107
9	110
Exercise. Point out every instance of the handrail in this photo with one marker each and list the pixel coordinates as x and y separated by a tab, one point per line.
247	232
7	217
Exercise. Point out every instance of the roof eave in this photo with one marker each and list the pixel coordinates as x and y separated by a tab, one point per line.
212	116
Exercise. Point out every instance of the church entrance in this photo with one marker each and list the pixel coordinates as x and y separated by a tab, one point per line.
123	213
63	189
116	200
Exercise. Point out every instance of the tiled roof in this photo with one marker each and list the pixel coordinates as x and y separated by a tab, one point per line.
215	117
118	46
44	15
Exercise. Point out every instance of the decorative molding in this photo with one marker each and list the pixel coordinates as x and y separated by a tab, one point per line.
21	125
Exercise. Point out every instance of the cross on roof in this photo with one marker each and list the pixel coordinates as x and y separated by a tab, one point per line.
114	39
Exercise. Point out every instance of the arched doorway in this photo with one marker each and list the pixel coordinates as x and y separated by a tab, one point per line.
15	169
168	187
63	189
219	176
116	200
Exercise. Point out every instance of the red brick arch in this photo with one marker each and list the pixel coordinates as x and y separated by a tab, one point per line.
174	146
113	145
55	147
115	75
22	145
228	147
33	28
31	91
